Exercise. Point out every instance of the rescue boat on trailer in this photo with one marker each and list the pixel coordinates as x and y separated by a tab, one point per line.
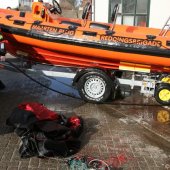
45	37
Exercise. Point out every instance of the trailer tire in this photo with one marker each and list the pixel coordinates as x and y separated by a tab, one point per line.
95	86
162	93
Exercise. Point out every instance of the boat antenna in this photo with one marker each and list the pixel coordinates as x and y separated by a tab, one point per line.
114	15
86	12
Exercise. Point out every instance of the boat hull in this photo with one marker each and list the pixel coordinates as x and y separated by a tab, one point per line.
81	46
84	55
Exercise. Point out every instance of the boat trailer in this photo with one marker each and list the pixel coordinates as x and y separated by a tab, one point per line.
96	86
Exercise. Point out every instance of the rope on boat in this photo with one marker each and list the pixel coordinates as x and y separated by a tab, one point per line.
41	84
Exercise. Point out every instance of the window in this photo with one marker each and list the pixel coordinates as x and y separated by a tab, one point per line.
131	12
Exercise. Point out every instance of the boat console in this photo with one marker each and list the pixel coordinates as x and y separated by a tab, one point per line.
46	12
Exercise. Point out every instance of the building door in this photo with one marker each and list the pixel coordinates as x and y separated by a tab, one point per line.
131	12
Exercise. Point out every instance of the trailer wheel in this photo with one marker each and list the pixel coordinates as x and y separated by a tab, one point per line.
162	93
95	86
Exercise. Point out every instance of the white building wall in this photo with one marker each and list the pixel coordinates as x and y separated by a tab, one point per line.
101	10
9	3
159	13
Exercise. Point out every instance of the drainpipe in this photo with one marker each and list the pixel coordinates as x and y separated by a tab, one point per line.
93	9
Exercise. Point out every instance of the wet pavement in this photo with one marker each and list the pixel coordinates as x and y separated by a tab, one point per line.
129	133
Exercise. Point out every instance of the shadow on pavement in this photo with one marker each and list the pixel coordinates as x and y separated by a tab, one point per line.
4	129
90	128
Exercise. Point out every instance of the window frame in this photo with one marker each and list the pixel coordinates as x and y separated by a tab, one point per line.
135	14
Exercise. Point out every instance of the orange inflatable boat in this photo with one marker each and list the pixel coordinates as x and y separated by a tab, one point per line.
44	37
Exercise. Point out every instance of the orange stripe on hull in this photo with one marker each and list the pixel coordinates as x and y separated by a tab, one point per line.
88	51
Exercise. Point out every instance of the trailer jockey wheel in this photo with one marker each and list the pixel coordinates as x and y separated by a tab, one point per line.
162	93
95	86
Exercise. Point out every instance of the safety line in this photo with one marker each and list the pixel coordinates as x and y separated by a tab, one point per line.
42	83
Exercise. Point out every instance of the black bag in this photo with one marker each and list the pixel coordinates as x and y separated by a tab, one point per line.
43	133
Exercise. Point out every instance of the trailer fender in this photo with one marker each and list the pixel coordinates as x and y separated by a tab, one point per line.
81	72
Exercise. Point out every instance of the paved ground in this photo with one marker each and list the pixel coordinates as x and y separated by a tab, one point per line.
132	133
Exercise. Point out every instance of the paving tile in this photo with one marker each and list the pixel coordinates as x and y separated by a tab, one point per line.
112	132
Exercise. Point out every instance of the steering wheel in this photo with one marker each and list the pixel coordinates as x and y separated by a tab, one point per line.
56	8
114	14
86	10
